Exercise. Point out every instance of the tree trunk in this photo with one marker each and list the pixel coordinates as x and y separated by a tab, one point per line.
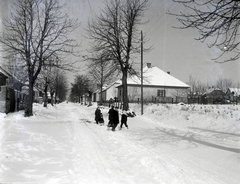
45	95
52	93
125	95
29	102
101	96
56	97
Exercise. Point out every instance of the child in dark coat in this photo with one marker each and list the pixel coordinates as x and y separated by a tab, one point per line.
124	119
115	119
101	120
97	115
110	116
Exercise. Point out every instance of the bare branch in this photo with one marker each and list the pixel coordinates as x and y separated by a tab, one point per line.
36	31
114	32
218	19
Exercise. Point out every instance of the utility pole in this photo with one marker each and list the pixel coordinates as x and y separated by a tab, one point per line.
141	73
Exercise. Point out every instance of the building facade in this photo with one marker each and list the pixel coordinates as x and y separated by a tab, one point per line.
158	86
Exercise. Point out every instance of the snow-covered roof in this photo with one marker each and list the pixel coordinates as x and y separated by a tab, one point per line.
211	89
114	83
153	76
235	90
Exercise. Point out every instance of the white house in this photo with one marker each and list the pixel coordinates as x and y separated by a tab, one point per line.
110	91
157	86
95	95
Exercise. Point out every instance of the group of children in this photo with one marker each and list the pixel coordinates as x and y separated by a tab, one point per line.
113	117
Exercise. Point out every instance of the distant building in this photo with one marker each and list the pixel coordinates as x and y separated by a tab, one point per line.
11	93
233	94
213	95
110	91
95	95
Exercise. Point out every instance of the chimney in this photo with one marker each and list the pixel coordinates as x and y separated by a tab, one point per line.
149	65
168	72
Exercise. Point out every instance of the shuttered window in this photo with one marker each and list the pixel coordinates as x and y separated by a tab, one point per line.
161	93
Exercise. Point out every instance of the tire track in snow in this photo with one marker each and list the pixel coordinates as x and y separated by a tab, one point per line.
118	152
92	164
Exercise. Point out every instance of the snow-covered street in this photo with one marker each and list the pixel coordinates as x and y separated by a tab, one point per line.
62	144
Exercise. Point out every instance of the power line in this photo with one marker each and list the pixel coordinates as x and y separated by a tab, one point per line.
90	7
161	22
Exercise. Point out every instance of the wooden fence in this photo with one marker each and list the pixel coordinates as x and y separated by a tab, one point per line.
155	100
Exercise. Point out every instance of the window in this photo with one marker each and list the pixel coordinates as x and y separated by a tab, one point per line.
2	81
161	93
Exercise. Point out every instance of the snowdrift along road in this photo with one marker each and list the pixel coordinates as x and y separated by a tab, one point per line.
62	145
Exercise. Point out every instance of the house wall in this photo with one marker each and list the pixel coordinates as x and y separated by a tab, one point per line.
10	94
134	92
98	96
108	93
3	95
95	97
104	95
112	92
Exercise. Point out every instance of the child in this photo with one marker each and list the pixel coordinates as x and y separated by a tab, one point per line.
97	115
101	120
123	119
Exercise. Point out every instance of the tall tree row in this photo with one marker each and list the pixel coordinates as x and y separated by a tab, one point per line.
80	88
35	31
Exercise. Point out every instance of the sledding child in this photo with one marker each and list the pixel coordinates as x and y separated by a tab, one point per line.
123	119
110	116
97	115
101	120
115	119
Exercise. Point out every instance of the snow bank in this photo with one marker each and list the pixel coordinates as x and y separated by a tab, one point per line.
169	143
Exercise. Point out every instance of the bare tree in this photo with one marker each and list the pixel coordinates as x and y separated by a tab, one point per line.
61	87
224	84
196	87
58	86
179	94
101	69
17	69
80	87
35	31
115	33
216	20
49	76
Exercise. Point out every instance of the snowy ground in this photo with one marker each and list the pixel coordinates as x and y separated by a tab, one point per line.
169	144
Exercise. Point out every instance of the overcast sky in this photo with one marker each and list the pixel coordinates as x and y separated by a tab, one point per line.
174	50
